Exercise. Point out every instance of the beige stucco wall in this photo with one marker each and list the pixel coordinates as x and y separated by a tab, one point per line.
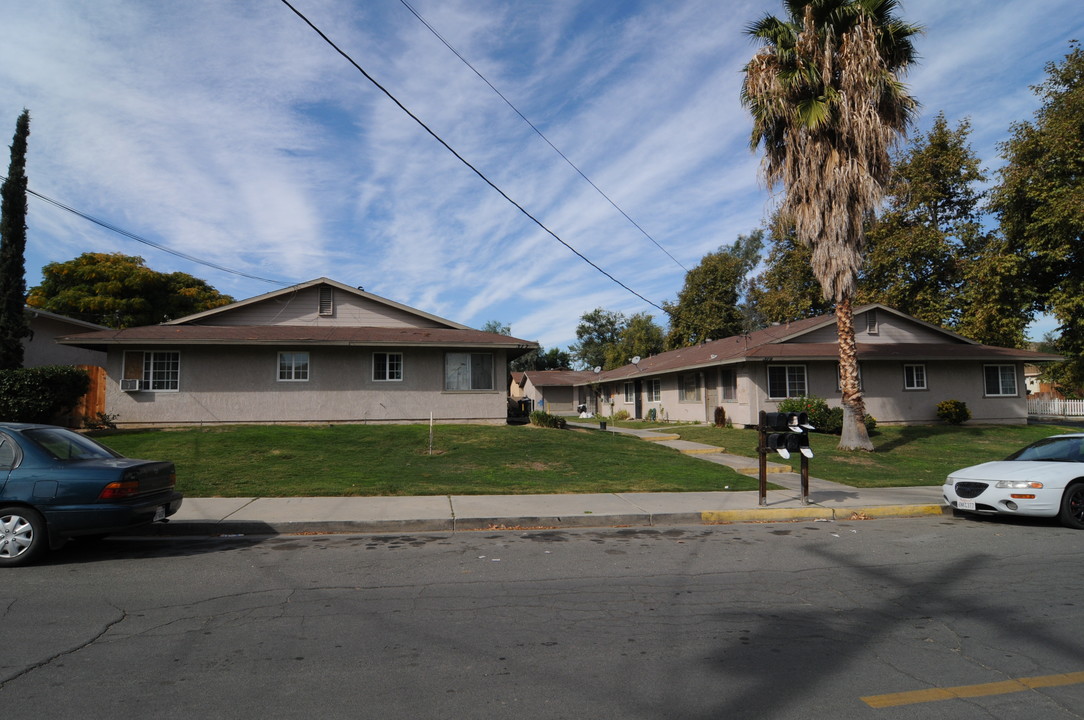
240	385
885	396
888	401
41	349
302	308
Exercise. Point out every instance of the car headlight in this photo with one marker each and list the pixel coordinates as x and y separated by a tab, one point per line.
1020	485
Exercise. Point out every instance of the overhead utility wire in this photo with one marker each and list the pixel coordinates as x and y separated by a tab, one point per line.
145	241
463	160
539	132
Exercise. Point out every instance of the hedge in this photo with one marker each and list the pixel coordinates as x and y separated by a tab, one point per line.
39	394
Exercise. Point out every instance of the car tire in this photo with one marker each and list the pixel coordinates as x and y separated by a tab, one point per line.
22	536
1072	506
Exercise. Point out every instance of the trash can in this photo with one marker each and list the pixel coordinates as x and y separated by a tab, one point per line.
601	424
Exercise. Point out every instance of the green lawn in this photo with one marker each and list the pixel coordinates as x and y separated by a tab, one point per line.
292	461
903	456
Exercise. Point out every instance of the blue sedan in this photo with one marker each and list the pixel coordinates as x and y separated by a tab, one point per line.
56	484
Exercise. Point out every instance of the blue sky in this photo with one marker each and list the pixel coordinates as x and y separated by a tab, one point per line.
231	132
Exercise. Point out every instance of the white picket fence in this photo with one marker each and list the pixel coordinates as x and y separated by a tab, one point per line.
1040	407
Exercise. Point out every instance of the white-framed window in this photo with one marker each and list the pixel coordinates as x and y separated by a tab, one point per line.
654	390
689	387
914	377
871	322
468	371
293	366
999	380
728	384
157	371
387	367
786	381
630	393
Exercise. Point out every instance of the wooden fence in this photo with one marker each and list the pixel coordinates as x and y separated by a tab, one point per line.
90	404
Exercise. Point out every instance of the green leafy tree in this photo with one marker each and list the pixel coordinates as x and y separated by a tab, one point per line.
914	250
786	290
709	305
928	254
120	291
638	336
1067	376
597	330
13	324
995	297
1040	202
828	105
496	326
542	359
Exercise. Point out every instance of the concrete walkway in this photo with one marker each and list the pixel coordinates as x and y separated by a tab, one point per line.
828	501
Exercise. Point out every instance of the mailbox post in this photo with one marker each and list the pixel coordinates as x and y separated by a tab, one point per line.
783	433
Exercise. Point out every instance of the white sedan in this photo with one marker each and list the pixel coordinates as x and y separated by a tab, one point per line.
1045	479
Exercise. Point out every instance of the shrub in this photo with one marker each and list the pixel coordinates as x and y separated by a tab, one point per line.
101	421
39	394
954	412
541	418
620	415
720	416
834	424
818	411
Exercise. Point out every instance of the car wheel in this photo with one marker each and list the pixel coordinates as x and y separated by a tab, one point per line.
22	536
1072	506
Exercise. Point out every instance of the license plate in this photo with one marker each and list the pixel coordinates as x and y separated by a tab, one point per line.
160	513
965	504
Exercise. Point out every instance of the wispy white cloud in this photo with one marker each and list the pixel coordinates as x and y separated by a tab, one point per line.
232	132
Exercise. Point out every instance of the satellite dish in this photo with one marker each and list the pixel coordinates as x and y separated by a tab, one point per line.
598	369
636	360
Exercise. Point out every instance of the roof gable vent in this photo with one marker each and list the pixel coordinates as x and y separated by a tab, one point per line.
327	300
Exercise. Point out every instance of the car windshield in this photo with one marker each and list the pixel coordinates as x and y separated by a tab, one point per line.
1056	449
67	445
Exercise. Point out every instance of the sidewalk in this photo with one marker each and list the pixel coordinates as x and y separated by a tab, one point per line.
827	501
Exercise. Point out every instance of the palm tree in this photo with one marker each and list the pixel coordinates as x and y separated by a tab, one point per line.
828	106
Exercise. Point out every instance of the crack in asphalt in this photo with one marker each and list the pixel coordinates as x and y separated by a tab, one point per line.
64	653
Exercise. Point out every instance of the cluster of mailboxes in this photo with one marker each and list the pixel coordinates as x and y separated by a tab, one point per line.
787	433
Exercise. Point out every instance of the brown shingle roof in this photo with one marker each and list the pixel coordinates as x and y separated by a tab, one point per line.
560	378
775	343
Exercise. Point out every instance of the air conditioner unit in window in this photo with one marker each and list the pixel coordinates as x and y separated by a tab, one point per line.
129	385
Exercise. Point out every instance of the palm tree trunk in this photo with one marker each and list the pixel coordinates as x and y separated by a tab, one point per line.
854	436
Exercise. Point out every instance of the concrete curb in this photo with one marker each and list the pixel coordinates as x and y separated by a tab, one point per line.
813	512
225	528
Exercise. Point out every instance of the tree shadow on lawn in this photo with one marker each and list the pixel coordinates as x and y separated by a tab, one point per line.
909	434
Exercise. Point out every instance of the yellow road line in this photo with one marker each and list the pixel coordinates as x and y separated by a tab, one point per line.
970	691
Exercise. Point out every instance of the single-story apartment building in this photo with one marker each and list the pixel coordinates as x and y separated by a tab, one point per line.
907	367
320	351
553	391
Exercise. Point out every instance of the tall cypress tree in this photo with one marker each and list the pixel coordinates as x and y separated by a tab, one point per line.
13	325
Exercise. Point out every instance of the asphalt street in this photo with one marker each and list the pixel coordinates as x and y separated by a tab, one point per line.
812	619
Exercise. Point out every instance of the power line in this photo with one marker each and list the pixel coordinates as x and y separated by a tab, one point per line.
459	157
540	134
145	241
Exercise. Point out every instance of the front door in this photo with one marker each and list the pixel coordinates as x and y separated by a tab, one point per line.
711	400
638	407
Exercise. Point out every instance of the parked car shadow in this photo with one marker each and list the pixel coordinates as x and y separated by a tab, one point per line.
136	546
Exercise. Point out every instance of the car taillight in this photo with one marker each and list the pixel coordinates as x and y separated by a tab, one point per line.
119	490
